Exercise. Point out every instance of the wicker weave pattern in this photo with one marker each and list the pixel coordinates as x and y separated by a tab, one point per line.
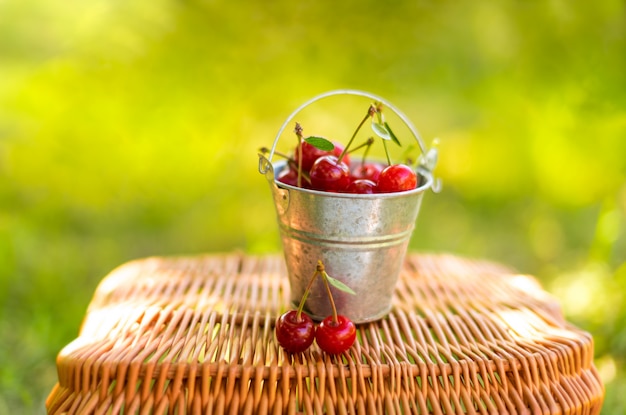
195	335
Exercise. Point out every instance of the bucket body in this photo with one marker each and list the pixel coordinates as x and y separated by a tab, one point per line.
361	239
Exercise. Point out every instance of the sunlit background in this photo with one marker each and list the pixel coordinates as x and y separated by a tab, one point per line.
131	128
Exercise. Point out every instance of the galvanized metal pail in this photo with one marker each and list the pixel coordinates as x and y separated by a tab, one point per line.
362	239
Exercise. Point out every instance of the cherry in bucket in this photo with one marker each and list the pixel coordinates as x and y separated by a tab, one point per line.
368	171
396	178
330	174
310	152
362	186
325	165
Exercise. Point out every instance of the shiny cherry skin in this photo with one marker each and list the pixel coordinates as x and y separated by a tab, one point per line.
311	153
369	171
396	178
362	186
330	175
335	337
295	334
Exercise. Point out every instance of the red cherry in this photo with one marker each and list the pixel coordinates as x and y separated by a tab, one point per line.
335	337
289	177
311	153
369	171
362	186
396	178
295	334
330	175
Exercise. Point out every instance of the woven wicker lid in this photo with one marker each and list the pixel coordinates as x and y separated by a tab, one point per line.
196	335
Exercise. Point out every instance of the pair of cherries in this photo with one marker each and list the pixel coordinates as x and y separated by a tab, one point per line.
296	331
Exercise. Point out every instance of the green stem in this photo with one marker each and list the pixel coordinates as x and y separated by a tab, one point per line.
305	295
379	114
370	112
266	150
368	143
322	271
298	131
387	152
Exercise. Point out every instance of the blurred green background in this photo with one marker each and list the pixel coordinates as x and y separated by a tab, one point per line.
131	128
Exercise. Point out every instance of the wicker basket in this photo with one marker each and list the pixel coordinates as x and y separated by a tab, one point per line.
196	335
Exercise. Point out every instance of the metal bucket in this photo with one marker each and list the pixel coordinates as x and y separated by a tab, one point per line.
362	239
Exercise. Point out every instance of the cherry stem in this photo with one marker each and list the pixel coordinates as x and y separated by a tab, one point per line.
290	161
378	110
370	113
368	143
266	150
305	295
387	152
298	131
305	175
321	270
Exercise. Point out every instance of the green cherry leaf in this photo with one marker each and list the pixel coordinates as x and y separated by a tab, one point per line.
320	143
393	136
380	130
338	284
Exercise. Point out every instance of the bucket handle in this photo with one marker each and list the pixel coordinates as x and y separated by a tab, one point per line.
428	158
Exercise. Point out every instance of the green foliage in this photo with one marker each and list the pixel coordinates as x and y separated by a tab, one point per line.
320	142
130	129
